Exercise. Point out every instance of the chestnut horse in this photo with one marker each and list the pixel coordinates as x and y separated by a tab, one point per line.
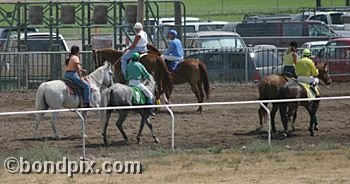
294	90
153	62
191	70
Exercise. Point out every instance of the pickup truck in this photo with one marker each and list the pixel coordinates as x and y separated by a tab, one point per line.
332	19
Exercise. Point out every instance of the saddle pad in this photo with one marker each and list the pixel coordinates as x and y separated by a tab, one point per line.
310	93
138	98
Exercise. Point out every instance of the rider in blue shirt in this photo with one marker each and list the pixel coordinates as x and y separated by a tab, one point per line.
175	52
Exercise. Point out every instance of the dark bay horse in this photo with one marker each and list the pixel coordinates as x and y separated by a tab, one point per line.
121	95
292	90
191	70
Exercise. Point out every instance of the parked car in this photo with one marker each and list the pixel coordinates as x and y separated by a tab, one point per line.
214	40
38	42
4	34
316	48
239	64
331	18
281	33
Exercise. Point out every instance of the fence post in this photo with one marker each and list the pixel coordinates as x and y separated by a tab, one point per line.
172	128
83	133
268	121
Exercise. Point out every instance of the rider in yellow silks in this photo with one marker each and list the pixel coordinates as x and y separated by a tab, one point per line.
306	70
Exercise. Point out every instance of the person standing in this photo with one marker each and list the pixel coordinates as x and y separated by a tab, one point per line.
138	45
73	72
290	59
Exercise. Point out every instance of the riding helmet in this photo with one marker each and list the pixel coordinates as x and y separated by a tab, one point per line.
138	25
173	32
306	52
135	56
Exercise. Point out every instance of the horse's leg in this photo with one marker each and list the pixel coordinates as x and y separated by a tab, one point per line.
262	117
293	120
313	106
284	114
105	125
39	117
142	124
272	116
313	120
119	124
156	140
195	91
53	122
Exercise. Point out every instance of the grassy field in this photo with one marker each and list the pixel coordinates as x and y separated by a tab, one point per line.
257	163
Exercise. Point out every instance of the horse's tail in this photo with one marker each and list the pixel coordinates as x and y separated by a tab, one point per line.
262	89
40	103
204	77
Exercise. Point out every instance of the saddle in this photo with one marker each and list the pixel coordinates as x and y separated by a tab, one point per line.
173	65
74	89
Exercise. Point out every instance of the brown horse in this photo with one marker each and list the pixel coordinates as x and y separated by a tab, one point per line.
269	90
192	71
153	63
295	90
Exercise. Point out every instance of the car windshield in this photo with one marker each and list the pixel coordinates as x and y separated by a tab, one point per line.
266	59
209	43
300	17
42	44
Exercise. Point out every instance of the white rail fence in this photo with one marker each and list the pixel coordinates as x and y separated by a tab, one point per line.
78	111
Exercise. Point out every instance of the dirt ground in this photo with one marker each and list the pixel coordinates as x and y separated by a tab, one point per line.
228	126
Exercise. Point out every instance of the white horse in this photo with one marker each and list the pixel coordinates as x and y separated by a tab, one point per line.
54	95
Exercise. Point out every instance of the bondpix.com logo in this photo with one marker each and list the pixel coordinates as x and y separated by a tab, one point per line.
65	166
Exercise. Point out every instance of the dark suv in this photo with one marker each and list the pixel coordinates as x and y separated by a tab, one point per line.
281	33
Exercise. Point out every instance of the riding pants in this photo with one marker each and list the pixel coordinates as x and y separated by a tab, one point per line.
73	76
174	61
309	79
127	55
145	90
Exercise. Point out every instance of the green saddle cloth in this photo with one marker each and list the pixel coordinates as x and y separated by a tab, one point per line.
138	98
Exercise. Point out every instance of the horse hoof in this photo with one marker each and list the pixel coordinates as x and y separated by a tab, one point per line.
139	142
285	135
316	128
126	142
156	140
312	134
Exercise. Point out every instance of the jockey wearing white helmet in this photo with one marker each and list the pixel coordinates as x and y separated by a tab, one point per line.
138	45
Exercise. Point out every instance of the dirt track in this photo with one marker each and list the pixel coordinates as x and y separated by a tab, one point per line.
225	126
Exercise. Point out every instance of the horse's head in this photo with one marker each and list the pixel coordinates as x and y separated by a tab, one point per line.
108	77
323	72
103	75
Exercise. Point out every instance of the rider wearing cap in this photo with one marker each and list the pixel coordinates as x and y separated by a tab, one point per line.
290	59
306	69
138	45
135	72
174	53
